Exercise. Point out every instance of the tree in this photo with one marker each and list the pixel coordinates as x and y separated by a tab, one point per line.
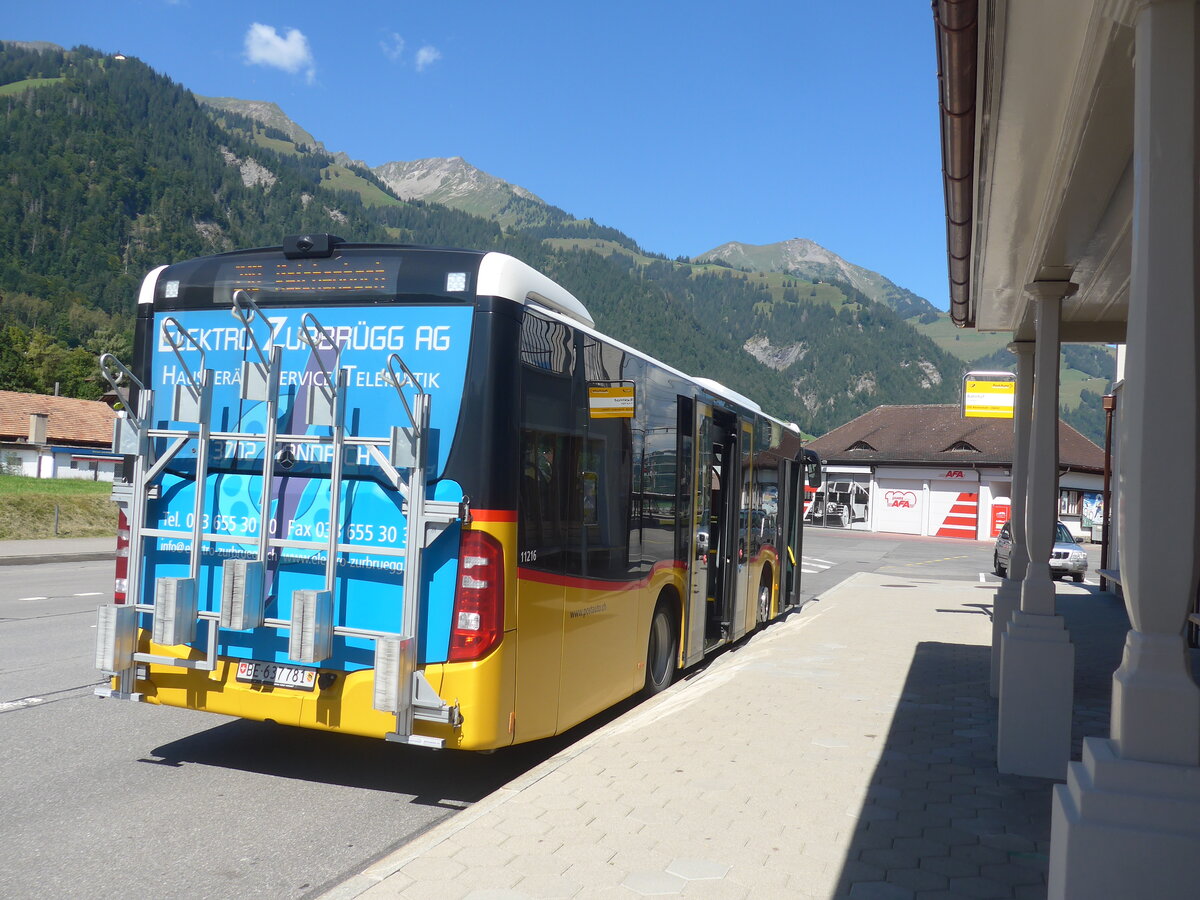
15	372
111	340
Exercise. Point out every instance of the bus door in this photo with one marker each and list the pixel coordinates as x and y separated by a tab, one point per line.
718	491
688	548
743	614
791	511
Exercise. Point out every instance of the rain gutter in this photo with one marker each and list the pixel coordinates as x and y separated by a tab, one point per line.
956	26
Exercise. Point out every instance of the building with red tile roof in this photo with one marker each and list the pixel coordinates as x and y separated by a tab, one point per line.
927	470
56	437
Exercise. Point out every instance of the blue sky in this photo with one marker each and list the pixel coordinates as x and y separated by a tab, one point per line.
685	125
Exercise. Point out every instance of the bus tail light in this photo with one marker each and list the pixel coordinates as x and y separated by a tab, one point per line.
121	582
478	622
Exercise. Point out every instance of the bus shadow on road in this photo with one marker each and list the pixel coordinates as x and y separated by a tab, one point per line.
449	779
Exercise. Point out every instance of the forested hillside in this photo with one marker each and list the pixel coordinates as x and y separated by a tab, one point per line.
112	169
839	359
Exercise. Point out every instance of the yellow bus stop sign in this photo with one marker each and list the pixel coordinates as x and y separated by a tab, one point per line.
989	395
611	401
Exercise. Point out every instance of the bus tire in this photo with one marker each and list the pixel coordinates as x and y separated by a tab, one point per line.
662	648
764	596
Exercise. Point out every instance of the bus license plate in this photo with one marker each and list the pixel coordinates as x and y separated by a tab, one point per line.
254	672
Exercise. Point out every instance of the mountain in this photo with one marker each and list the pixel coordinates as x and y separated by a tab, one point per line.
840	353
36	46
268	113
834	377
808	259
275	121
112	169
453	182
179	178
1087	372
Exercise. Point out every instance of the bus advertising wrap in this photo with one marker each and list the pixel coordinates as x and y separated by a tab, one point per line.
433	342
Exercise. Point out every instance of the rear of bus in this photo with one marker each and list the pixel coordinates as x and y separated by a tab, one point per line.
281	426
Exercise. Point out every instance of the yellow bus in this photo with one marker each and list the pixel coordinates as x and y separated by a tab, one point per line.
413	493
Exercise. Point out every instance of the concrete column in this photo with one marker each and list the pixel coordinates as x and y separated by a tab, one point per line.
1037	659
1022	423
1156	705
1127	823
1008	596
1041	507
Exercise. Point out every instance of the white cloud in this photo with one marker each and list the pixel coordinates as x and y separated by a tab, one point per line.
290	52
393	47
427	56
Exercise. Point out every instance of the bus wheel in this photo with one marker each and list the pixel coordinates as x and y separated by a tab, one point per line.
764	598
661	651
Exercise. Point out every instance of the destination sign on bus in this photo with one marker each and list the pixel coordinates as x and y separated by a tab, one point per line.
308	276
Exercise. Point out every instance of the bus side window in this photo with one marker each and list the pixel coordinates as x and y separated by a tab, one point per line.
542	496
590	488
547	502
547	345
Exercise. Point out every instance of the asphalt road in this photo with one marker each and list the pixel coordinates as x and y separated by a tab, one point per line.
831	555
102	798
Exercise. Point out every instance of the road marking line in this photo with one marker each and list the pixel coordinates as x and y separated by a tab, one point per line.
814	559
91	594
20	599
20	704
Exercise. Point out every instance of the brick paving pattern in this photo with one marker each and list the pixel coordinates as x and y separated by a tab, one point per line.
847	752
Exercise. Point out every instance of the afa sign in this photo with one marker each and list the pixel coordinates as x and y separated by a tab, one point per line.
989	395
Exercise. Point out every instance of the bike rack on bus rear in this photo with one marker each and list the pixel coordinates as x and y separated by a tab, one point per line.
400	687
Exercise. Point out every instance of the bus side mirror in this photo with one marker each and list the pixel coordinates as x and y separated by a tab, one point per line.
812	468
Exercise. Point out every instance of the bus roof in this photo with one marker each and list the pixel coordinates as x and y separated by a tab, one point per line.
501	275
498	275
715	387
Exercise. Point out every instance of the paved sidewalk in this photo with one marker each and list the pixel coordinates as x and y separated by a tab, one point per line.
18	553
846	752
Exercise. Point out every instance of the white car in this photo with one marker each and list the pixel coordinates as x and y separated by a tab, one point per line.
1067	557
